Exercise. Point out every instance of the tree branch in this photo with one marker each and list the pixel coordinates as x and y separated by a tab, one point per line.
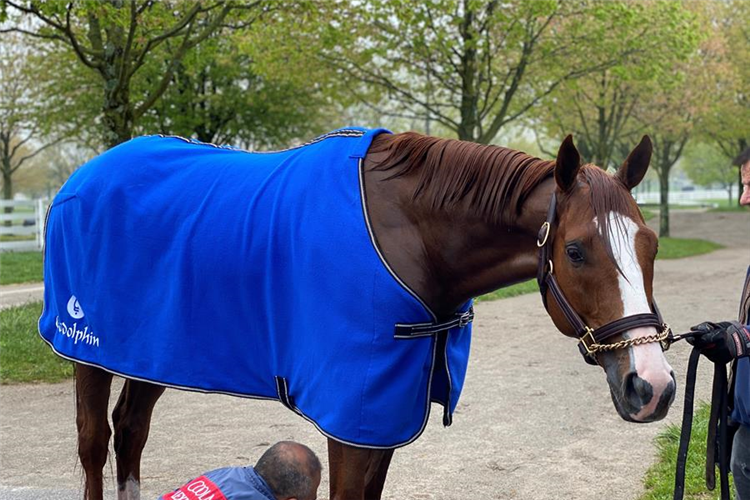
29	156
157	40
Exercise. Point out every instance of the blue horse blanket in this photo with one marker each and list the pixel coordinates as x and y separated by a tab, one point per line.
220	270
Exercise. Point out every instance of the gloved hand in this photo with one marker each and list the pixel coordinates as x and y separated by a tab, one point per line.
721	342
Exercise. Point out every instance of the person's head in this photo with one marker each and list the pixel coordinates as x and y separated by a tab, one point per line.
745	170
291	470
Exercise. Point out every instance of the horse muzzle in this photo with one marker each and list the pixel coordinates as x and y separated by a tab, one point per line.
643	399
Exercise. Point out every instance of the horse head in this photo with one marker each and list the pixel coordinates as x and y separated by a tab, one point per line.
602	254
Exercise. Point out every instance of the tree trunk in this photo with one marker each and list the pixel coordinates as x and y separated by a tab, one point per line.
664	202
7	191
467	128
7	186
118	116
117	110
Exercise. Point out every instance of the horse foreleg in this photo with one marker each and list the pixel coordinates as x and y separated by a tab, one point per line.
357	473
132	420
92	398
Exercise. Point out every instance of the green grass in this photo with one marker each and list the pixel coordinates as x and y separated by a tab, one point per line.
20	267
656	206
511	291
24	357
721	202
677	248
730	208
659	479
17	237
647	214
723	205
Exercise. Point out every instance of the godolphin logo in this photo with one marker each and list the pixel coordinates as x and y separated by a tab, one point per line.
74	308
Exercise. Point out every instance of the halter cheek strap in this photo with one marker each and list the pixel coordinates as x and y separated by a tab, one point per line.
591	340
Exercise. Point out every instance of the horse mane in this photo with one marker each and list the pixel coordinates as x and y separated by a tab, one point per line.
491	181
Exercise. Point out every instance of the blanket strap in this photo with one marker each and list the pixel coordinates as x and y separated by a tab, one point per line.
282	389
416	330
440	331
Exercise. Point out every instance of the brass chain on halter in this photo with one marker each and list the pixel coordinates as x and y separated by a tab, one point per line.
592	347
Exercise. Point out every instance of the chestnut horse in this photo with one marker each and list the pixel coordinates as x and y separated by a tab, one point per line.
455	220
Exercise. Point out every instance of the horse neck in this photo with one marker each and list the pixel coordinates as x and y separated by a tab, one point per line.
450	255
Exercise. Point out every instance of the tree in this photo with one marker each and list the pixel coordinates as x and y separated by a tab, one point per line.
706	165
231	89
726	122
599	108
115	38
24	129
475	67
671	112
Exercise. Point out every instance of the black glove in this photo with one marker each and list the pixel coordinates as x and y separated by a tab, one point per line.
720	342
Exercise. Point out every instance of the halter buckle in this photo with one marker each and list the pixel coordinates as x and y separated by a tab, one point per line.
670	337
542	240
588	332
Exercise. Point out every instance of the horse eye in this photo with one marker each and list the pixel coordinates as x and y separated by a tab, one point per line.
574	254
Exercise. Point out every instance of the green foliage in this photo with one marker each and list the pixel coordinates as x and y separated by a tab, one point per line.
251	86
20	267
659	479
475	67
116	40
705	164
24	357
725	121
220	72
601	108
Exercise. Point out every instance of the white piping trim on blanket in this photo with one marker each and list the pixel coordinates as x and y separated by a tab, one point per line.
346	132
268	398
363	197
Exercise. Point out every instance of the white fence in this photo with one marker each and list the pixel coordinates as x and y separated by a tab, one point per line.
23	228
695	197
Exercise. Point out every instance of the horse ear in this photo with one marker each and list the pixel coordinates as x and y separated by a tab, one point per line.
567	165
631	172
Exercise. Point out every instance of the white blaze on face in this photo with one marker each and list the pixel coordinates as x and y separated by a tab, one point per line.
649	361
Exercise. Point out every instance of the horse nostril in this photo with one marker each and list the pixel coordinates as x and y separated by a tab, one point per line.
638	391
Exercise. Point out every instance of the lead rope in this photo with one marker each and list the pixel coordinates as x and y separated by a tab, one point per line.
717	422
687	424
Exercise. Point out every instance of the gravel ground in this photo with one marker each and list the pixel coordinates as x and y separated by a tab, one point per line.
534	421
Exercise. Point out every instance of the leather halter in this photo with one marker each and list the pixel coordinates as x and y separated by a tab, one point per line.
591	340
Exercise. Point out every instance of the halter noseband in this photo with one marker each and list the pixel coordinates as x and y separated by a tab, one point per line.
591	340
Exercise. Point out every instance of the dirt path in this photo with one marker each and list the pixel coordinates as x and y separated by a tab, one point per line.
16	295
534	422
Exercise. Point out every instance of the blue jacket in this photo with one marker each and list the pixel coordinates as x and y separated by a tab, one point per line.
229	483
741	411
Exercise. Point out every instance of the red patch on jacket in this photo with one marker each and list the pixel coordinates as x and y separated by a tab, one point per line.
200	488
